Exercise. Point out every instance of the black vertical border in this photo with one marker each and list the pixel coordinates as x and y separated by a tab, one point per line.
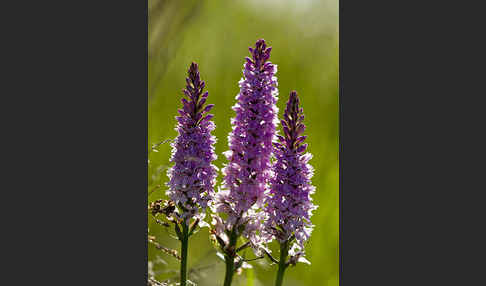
146	144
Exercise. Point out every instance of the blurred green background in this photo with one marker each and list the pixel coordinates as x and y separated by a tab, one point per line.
216	34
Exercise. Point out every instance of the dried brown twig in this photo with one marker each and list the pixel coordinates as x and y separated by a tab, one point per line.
271	257
168	251
152	282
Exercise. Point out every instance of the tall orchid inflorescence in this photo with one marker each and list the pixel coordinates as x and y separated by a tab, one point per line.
192	178
250	143
289	206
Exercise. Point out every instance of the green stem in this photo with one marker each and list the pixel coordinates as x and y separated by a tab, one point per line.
230	259
228	277
184	246
282	265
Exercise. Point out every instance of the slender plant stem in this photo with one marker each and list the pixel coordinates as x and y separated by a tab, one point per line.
282	265
228	277
229	258
184	246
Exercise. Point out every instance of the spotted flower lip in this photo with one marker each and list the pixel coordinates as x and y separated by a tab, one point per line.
192	178
250	144
289	205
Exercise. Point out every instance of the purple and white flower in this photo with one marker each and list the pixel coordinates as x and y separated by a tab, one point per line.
248	171
192	178
289	205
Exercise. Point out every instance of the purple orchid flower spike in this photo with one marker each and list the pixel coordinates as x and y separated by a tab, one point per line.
289	206
192	178
250	147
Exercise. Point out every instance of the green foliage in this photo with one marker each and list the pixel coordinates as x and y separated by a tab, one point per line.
216	35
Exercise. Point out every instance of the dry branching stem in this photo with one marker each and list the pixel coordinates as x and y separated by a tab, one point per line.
168	251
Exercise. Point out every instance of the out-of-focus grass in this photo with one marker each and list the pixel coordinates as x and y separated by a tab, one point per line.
216	34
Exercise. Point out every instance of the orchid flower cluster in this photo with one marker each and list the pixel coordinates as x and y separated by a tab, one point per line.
193	176
247	173
266	190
